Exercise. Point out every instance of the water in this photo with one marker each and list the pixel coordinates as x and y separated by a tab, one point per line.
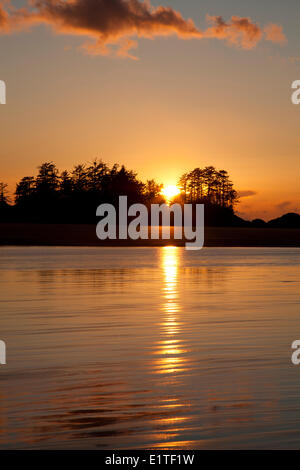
121	348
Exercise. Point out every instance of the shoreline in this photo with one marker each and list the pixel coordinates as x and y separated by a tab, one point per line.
32	234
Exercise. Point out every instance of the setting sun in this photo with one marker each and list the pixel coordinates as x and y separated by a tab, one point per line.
170	191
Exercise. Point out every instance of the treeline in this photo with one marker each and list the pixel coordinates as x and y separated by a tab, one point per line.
209	186
72	197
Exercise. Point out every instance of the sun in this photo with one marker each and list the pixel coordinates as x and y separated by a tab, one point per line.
170	191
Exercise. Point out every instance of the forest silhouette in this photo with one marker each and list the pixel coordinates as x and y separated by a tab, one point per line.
73	197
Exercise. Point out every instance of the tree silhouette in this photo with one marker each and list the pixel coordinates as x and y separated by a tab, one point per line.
72	197
25	189
208	186
153	191
3	194
47	180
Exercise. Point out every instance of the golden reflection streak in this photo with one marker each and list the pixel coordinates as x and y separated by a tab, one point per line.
170	347
170	352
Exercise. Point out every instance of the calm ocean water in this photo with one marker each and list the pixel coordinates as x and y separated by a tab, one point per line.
124	348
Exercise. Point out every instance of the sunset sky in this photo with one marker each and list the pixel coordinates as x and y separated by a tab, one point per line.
182	95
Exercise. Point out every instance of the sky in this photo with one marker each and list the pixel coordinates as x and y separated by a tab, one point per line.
162	97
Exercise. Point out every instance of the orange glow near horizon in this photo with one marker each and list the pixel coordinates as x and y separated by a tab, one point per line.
161	116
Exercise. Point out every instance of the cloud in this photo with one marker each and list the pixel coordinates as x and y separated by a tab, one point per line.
240	31
246	193
274	33
3	18
283	205
111	25
286	206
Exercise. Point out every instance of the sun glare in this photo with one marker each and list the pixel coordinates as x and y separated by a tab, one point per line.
170	191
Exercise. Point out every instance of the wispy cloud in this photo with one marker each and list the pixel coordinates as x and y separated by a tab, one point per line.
287	206
239	31
246	193
114	26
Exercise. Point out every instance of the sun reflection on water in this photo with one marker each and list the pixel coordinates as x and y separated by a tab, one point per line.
170	346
